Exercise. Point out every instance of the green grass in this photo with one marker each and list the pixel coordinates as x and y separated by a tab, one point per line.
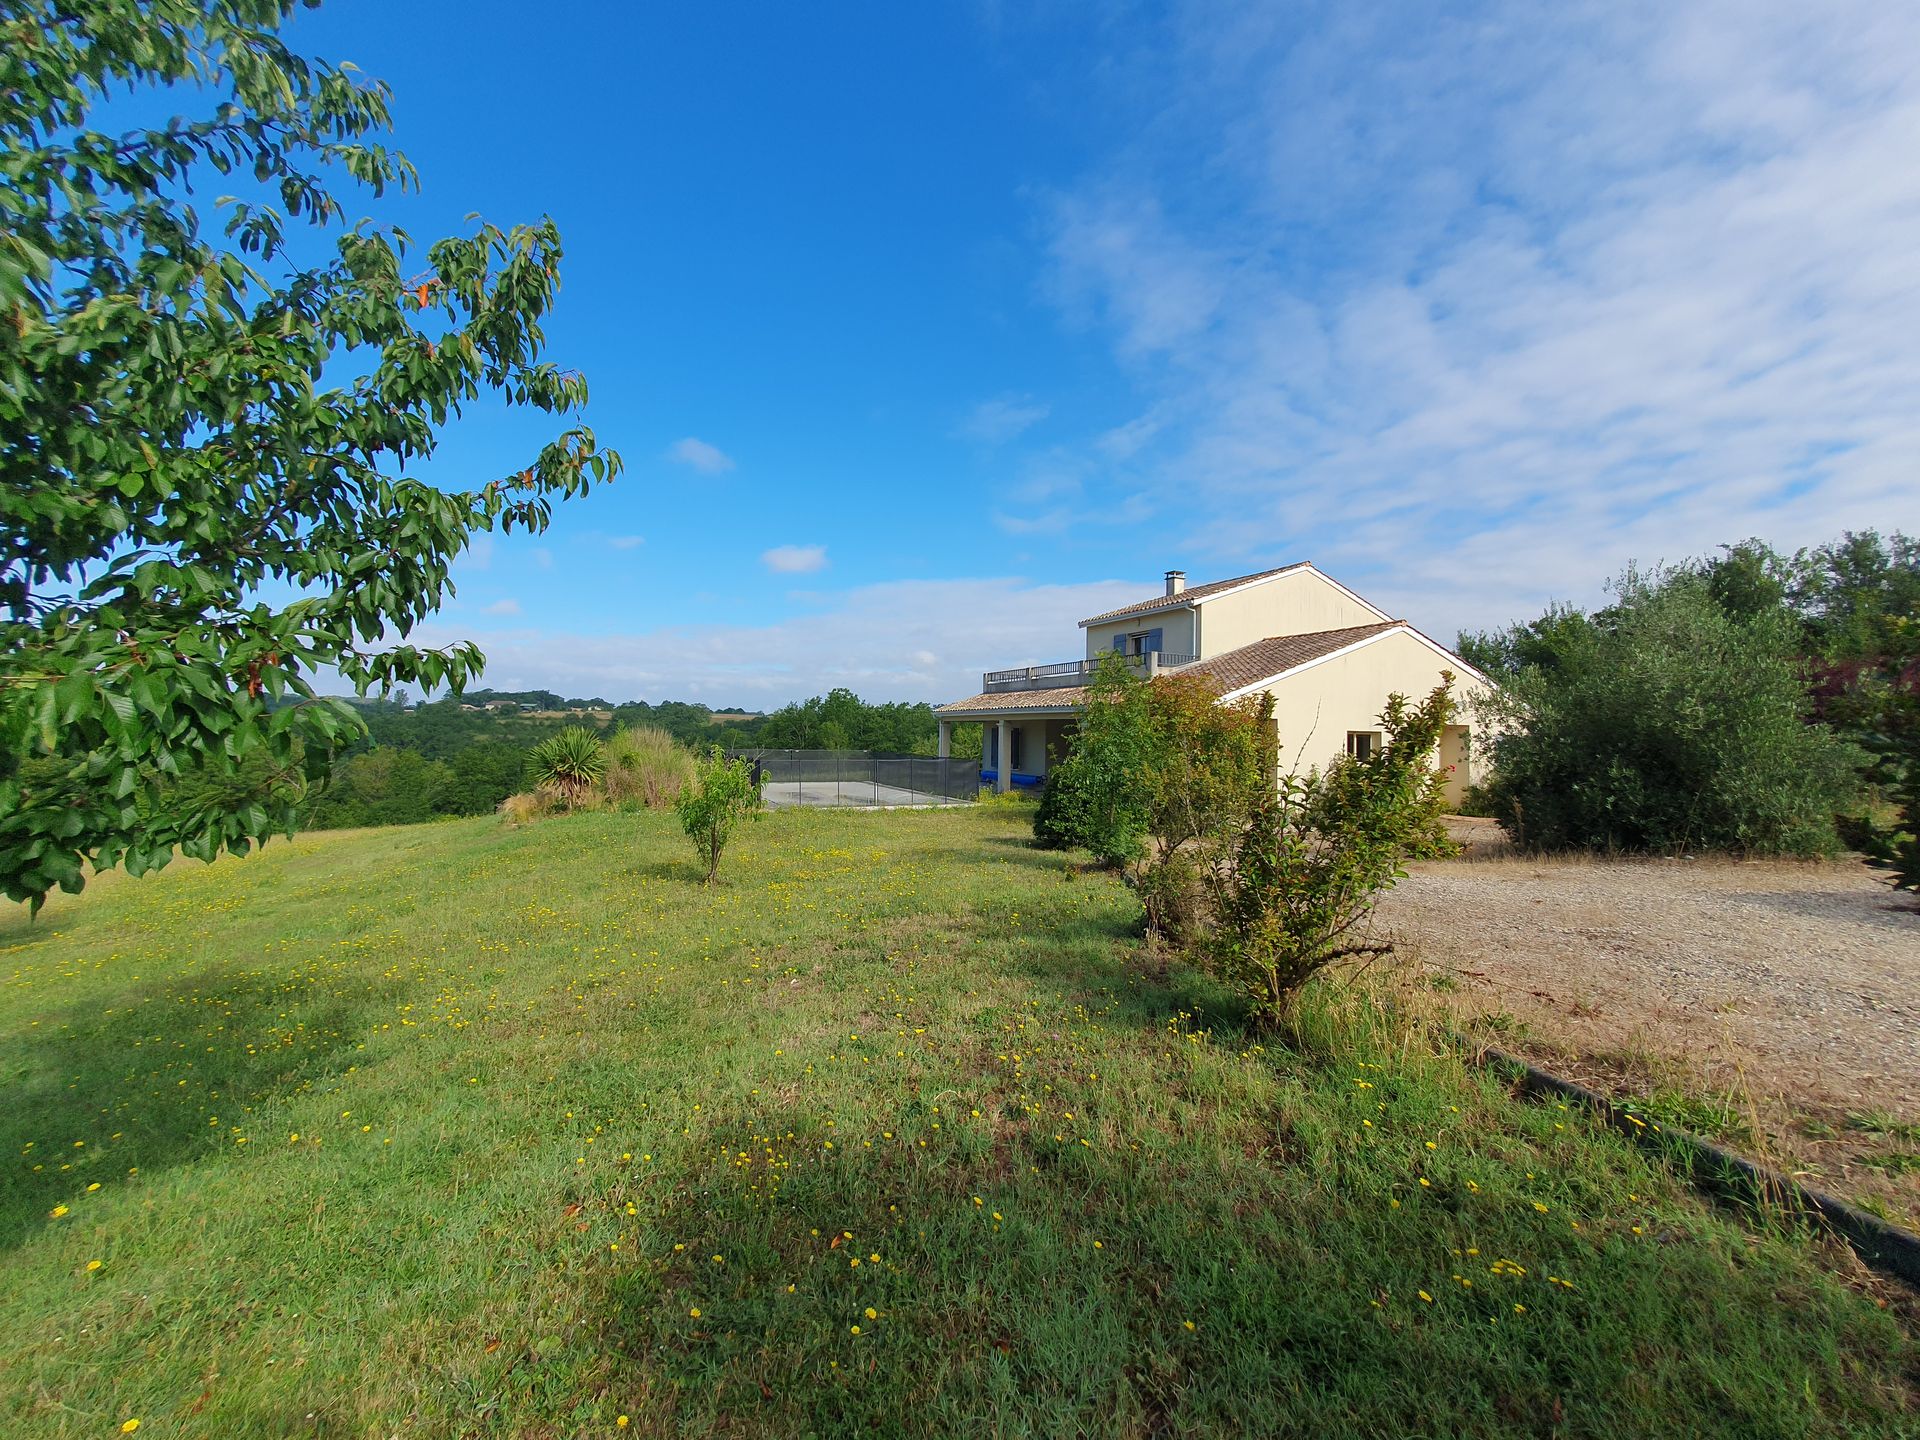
451	1130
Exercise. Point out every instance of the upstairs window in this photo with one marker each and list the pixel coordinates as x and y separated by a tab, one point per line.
1363	744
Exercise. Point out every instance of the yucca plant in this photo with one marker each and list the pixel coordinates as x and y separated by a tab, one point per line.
569	764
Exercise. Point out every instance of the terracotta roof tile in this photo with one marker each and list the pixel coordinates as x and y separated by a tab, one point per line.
1065	697
1264	659
1188	595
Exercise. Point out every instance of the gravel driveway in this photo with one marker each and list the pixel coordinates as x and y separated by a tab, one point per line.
1794	986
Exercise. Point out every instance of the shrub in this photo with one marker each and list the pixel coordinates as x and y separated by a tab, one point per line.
1053	827
723	794
569	764
1155	766
646	766
1314	856
1666	722
1101	798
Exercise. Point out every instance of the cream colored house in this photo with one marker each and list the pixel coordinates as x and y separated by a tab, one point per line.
1329	658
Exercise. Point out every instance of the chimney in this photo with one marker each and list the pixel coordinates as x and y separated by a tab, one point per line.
1176	581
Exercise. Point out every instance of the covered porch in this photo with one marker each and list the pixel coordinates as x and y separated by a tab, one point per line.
1020	742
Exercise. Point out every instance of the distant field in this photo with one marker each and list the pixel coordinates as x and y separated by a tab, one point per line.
461	1130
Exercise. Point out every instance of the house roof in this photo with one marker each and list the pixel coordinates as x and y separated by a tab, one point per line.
1250	665
1271	658
1193	594
1066	697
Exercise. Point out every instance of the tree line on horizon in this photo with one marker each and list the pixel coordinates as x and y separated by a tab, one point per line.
443	758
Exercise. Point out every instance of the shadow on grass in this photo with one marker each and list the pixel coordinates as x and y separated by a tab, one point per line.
155	1075
1013	1283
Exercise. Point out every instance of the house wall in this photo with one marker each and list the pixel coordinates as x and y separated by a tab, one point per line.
1176	627
1318	706
1297	603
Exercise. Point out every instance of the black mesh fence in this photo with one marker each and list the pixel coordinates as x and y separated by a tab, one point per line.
861	777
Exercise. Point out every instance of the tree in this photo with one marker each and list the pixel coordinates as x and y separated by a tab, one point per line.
1102	800
1667	721
202	412
380	787
723	794
1883	714
1161	778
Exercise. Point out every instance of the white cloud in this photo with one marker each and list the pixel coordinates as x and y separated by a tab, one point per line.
994	422
1472	309
699	455
626	542
910	640
503	607
543	557
795	559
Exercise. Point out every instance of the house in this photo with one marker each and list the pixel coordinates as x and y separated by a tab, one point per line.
1328	657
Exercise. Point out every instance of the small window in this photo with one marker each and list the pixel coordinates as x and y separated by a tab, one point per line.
1362	744
1013	762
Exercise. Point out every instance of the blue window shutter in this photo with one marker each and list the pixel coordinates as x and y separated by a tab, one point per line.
1153	640
1120	643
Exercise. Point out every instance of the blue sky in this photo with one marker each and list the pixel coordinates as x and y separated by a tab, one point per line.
926	330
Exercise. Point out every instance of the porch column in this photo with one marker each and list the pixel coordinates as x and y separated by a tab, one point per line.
1003	765
946	739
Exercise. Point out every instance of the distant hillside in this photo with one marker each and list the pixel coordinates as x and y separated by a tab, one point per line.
464	755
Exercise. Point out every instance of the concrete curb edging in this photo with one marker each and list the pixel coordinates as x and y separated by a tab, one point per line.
1880	1245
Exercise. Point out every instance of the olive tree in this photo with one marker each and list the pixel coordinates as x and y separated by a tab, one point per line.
207	410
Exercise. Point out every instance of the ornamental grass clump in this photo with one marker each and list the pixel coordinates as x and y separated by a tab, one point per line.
646	767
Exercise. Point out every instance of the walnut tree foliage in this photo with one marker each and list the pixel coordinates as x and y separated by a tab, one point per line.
208	404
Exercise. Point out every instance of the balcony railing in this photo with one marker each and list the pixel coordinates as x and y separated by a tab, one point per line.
1066	673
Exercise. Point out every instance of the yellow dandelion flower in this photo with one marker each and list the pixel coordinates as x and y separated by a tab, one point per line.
93	1187
57	1211
1426	1297
694	1312
855	1329
620	1421
129	1426
872	1314
93	1265
1187	1323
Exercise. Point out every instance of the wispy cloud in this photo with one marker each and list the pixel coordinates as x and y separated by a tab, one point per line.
508	606
699	455
1471	308
626	542
1007	417
795	559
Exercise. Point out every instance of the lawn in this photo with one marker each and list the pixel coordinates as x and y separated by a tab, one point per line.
463	1130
